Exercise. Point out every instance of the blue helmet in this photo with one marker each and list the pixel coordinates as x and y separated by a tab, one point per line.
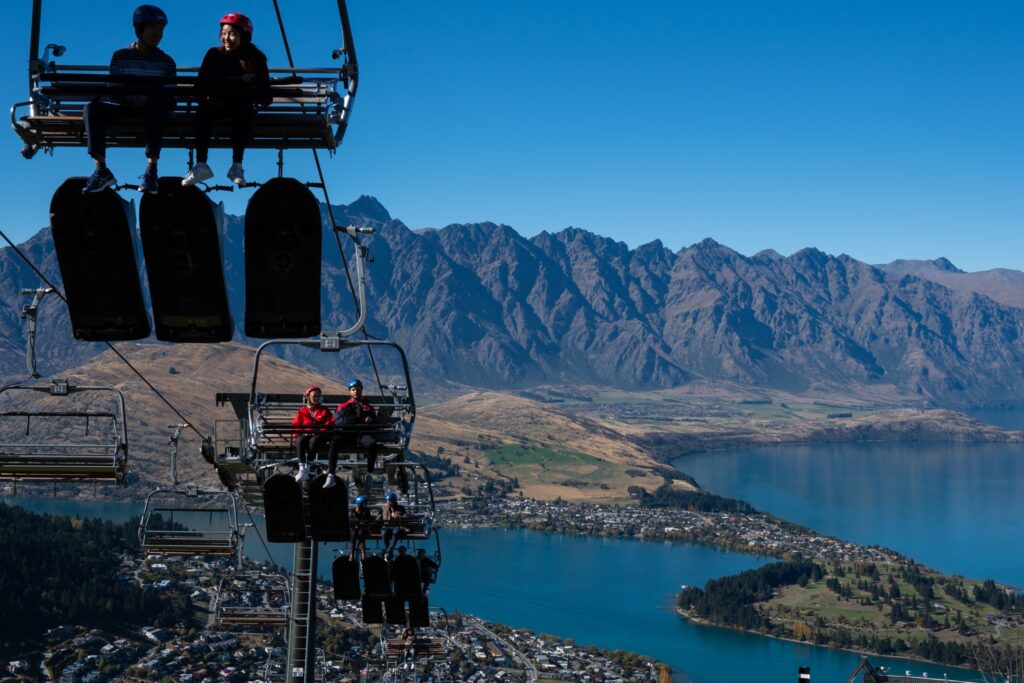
391	496
148	14
360	500
354	383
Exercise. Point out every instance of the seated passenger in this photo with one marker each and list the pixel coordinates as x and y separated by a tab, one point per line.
428	570
141	58
359	524
310	423
235	60
354	411
392	513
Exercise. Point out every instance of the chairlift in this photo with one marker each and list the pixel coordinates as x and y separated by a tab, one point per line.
252	599
169	526
94	234
260	442
310	107
171	517
85	443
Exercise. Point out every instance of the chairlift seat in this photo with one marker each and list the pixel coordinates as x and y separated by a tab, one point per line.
274	440
180	229
44	456
159	542
306	110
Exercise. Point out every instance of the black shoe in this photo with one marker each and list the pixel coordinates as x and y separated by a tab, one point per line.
100	180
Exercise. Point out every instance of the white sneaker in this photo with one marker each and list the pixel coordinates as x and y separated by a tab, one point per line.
303	474
198	174
331	481
236	174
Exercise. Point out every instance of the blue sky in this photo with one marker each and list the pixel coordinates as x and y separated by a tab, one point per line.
878	129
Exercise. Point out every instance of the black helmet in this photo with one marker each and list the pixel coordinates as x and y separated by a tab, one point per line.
148	14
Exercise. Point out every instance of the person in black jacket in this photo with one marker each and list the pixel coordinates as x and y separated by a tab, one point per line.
354	411
235	62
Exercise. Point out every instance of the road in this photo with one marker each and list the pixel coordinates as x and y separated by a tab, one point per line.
531	670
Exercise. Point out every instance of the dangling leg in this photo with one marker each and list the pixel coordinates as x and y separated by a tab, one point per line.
204	128
301	446
242	113
96	115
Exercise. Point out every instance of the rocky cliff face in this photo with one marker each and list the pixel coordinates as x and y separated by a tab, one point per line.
481	305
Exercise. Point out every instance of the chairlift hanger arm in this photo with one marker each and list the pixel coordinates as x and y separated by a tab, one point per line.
342	344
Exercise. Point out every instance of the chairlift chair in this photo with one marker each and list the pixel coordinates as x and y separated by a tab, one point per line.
237	594
42	453
310	107
164	528
250	448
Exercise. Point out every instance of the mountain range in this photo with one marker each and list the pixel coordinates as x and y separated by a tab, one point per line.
480	305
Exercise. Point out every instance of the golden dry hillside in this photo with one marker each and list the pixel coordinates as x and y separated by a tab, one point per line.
550	453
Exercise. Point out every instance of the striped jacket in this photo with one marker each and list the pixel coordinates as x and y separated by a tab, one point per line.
131	61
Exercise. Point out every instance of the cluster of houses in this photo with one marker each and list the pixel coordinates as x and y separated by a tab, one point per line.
752	532
219	653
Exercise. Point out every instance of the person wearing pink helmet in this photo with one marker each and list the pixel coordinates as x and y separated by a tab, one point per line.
309	429
236	62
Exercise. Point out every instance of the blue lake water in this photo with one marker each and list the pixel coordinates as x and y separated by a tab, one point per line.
614	593
955	507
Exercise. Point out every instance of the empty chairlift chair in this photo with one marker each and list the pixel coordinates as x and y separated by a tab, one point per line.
49	440
188	521
252	599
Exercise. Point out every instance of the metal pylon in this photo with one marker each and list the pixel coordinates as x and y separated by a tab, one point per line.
301	663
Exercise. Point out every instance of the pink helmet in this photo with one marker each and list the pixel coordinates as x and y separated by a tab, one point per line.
239	21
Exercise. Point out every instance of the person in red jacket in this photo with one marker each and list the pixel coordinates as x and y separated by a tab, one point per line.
354	411
236	60
310	429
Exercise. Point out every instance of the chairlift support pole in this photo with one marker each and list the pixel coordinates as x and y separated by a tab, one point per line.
33	45
175	435
31	313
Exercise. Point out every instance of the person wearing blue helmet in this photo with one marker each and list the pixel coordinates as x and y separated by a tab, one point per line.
359	525
141	58
392	513
354	411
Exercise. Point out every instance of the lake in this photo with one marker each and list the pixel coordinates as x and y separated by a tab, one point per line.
954	507
614	593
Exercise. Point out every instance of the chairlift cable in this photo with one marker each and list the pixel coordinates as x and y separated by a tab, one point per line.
327	200
109	345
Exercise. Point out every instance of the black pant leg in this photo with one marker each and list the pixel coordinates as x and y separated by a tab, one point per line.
204	128
96	116
155	113
301	446
241	113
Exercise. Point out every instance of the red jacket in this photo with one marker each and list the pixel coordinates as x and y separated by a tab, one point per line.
311	420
